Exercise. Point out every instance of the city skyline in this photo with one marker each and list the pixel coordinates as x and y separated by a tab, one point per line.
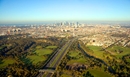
24	11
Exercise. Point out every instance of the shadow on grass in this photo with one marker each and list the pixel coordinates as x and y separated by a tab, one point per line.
27	61
49	68
1	61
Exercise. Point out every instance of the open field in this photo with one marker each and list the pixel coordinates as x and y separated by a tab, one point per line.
80	60
128	60
99	73
97	51
125	50
77	57
38	47
1	47
44	51
74	53
7	61
51	47
94	48
40	54
65	75
35	59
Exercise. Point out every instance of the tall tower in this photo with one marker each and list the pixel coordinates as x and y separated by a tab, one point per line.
77	23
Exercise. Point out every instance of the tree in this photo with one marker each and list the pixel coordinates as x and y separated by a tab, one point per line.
87	74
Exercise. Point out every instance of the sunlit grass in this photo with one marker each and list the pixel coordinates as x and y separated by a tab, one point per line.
43	51
51	47
114	49
80	60
99	73
1	47
35	59
97	51
41	54
38	47
77	57
65	75
6	61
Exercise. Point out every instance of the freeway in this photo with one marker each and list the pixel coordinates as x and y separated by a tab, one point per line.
55	60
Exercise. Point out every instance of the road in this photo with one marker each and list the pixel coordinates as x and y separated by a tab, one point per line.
55	61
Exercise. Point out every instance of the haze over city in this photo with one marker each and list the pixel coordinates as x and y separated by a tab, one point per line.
64	38
41	11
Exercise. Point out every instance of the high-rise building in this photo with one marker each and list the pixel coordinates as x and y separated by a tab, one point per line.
77	24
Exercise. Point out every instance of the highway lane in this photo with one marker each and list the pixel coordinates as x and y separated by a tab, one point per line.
55	61
58	56
61	56
64	52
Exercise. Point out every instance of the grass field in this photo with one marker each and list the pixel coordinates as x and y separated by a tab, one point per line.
31	58
65	75
125	50
128	60
43	51
99	73
6	61
79	58
73	53
51	47
97	51
35	59
95	48
1	47
38	47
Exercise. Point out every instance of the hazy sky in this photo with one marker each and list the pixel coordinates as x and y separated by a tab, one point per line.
12	11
